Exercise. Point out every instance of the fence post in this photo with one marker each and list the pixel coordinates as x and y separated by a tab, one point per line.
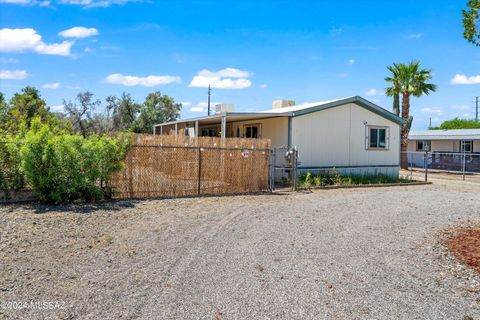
295	173
199	185
425	160
464	164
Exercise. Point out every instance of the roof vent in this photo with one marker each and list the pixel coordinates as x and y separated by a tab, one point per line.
277	104
224	107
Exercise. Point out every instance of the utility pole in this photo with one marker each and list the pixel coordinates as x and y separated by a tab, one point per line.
476	108
430	126
209	92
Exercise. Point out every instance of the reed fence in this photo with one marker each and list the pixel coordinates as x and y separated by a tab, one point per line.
172	166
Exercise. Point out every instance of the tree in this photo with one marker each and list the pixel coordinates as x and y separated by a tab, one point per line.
24	107
3	112
411	80
471	22
458	124
394	90
157	108
123	110
81	115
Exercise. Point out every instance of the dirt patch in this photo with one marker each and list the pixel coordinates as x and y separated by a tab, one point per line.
465	246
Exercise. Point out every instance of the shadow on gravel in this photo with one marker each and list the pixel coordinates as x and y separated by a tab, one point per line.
40	208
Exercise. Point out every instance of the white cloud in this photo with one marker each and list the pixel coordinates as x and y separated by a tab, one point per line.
186	103
202	107
436	111
413	36
83	3
263	86
96	3
197	109
44	3
58	108
351	61
463	79
228	78
78	32
54	85
20	40
148	81
342	75
13	74
374	92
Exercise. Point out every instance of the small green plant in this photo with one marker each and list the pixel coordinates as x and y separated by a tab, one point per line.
333	177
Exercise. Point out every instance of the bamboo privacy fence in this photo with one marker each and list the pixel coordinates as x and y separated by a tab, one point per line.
171	166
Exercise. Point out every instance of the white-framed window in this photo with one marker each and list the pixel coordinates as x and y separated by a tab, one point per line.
466	146
252	131
422	144
377	138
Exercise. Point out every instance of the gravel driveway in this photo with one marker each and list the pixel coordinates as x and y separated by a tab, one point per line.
336	254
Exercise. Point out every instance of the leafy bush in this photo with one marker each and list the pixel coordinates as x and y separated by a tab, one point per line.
11	176
333	177
64	168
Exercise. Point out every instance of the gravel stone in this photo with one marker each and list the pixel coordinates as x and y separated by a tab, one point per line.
333	254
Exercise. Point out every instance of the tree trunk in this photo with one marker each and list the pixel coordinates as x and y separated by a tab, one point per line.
405	130
396	104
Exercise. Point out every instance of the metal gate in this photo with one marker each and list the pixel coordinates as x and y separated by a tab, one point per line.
283	168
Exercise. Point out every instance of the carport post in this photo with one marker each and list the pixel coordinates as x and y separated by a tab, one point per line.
224	126
196	129
176	130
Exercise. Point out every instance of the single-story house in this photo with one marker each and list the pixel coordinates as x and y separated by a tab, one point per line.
351	134
447	148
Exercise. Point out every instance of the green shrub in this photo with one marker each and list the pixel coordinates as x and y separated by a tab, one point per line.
63	168
11	176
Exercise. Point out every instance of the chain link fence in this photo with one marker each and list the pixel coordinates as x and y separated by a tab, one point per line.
173	166
456	165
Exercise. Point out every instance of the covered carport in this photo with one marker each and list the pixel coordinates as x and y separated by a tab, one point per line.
192	127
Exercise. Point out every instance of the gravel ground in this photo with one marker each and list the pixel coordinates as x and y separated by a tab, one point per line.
332	254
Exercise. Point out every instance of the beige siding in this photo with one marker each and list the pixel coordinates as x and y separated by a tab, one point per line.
337	137
275	129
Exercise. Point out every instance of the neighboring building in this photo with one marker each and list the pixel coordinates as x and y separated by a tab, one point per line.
351	134
447	148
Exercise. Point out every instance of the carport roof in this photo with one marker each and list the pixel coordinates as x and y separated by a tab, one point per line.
460	134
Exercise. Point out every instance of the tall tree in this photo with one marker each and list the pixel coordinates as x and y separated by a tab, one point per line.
123	111
412	80
25	106
471	17
81	114
394	89
157	108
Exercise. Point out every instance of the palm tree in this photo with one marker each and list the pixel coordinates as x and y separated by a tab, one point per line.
408	80
394	90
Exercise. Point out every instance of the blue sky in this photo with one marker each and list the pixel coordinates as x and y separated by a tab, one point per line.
251	51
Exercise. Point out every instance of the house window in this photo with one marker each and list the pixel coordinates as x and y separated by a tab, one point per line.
377	138
422	144
251	132
238	132
209	132
466	146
